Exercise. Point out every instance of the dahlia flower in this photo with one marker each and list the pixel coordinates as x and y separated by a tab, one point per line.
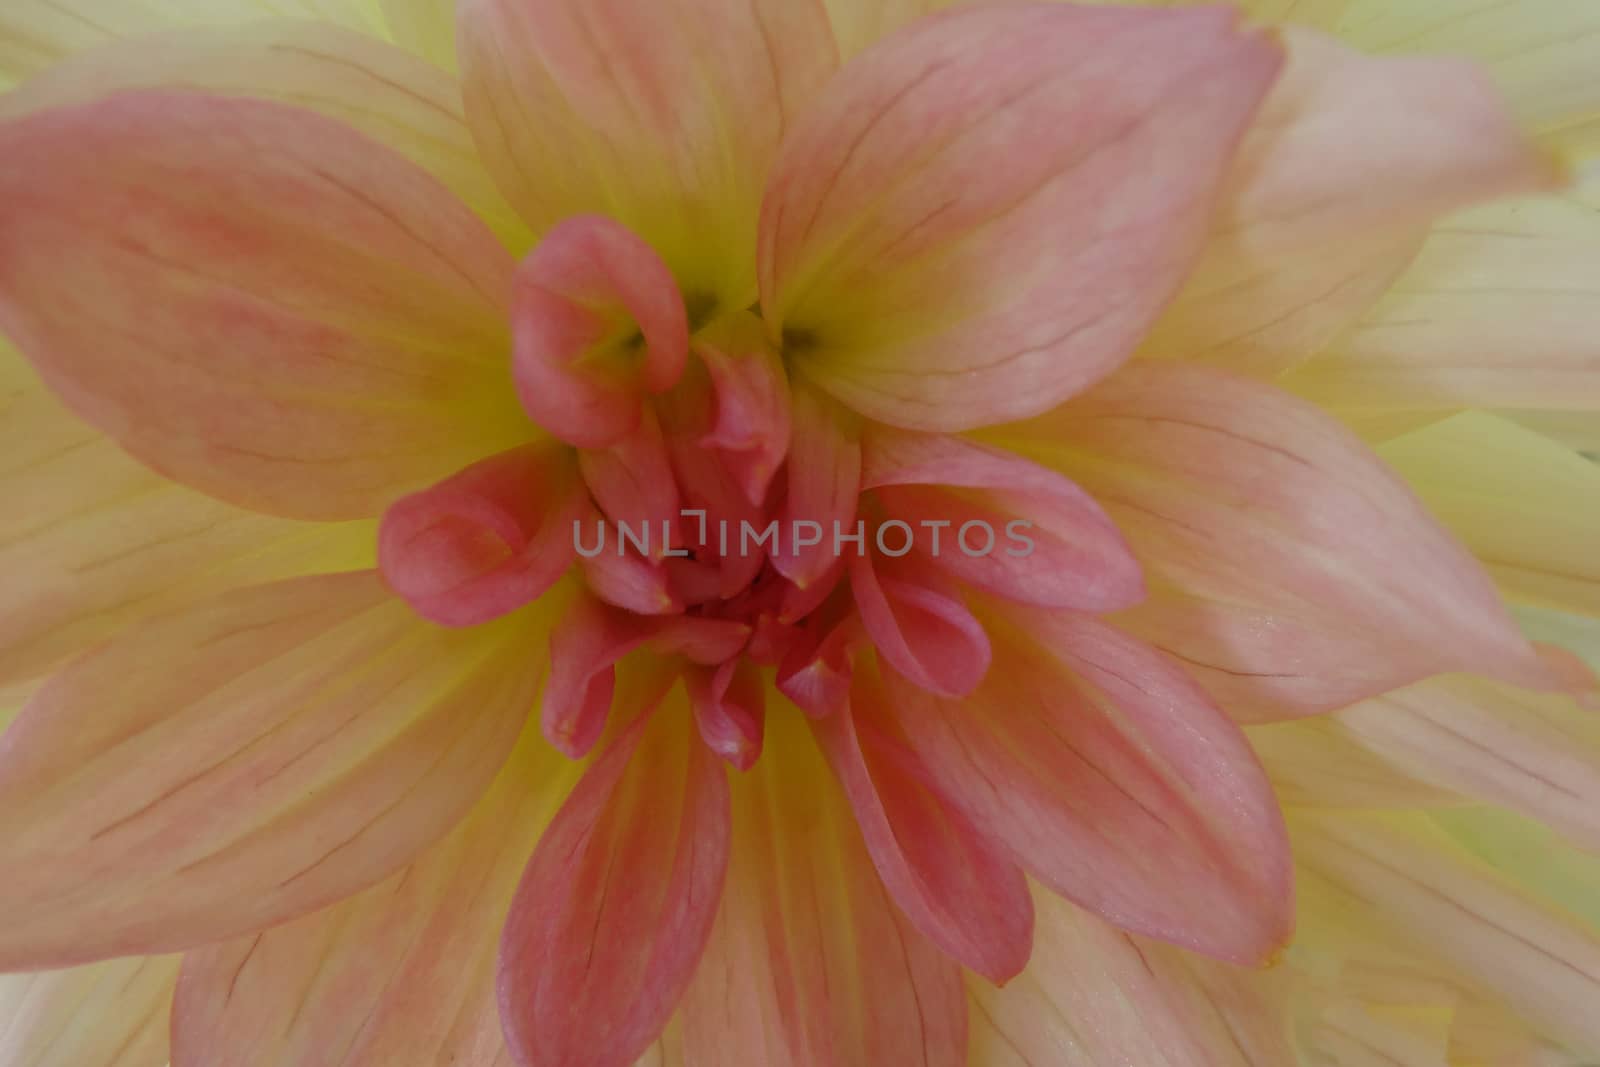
574	533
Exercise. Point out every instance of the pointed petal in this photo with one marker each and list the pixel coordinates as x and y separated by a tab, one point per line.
487	541
1305	241
730	709
104	541
810	964
111	1014
247	760
632	583
584	651
1034	535
979	292
1498	311
664	116
1111	777
1426	891
752	401
952	882
401	971
1094	995
597	319
618	900
258	264
1542	54
824	486
816	671
390	96
919	625
1528	508
1290	570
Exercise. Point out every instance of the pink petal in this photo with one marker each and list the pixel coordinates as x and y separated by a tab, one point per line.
1290	571
730	710
402	970
487	541
1096	995
250	759
1305	239
597	320
1050	172
816	671
824	484
633	483
952	881
111	1014
104	541
1113	778
1001	522
256	263
752	402
584	650
920	625
618	900
632	583
345	72
665	116
810	964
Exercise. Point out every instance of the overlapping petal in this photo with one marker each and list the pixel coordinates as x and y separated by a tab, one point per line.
427	27
369	85
1094	995
111	1014
1289	569
244	761
1111	777
810	963
304	322
952	239
401	973
664	116
1305	239
616	905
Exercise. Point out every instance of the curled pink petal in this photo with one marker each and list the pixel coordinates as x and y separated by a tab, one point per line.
486	541
584	650
633	483
919	624
597	319
823	486
700	640
751	391
730	710
816	669
631	582
1001	522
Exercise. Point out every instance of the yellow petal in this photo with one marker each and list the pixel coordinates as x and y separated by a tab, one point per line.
110	1014
427	27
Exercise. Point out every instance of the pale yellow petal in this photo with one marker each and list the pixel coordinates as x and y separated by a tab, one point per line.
427	27
111	1014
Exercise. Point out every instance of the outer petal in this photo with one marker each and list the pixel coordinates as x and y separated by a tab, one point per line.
1502	309
1527	507
1095	995
102	541
427	27
1289	569
305	322
952	240
1111	777
1542	961
250	759
1035	536
1306	240
111	1014
1542	53
37	33
950	879
618	901
810	964
664	116
392	97
399	974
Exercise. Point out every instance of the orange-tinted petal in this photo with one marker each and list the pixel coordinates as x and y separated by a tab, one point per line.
244	761
305	322
981	218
